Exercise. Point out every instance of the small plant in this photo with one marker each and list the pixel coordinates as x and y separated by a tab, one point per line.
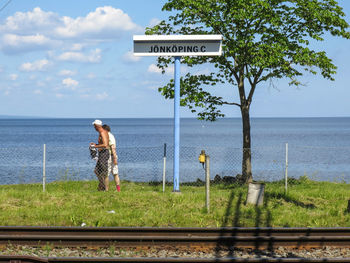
76	220
111	250
47	249
304	178
21	175
67	175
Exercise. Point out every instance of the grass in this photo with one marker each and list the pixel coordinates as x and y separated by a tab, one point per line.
307	204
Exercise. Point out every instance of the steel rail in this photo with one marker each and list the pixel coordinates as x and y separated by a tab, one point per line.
28	259
227	231
237	237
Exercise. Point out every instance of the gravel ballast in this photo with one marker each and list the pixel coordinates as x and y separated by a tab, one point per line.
165	252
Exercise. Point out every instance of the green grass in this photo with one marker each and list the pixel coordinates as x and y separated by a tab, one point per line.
307	204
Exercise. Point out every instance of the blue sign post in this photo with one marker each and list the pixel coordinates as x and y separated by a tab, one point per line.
177	46
177	124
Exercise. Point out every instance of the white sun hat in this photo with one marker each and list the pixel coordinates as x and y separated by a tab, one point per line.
97	122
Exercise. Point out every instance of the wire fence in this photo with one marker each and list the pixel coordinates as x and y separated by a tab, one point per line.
21	165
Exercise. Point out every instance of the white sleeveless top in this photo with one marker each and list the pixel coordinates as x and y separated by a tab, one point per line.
111	139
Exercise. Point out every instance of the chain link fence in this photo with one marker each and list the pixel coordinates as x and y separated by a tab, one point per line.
319	163
21	165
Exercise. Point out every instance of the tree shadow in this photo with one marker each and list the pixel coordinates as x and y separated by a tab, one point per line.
225	223
290	199
262	225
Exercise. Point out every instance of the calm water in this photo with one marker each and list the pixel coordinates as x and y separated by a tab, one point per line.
329	132
318	147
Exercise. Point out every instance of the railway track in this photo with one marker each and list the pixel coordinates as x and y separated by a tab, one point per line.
256	238
259	238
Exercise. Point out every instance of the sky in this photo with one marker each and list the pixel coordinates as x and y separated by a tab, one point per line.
73	59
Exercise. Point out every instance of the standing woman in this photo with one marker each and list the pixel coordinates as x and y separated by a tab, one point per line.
114	167
101	169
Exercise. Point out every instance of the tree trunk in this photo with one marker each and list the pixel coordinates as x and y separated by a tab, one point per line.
247	157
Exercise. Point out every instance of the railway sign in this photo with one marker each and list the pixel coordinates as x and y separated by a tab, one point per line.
177	46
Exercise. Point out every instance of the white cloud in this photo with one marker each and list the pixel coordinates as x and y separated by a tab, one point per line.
70	83
39	65
102	96
11	43
41	30
154	22
76	47
59	95
154	69
169	70
30	22
104	23
129	57
6	90
93	57
13	76
66	72
205	71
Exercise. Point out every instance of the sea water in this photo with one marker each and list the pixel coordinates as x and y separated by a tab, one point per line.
317	147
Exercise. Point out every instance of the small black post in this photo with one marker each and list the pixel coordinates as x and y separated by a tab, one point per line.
164	167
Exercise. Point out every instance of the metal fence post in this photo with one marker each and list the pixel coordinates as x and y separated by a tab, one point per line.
207	182
164	167
44	167
286	173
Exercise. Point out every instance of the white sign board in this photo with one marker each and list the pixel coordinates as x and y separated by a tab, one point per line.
177	45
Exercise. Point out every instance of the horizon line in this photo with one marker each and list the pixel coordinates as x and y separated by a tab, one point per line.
239	117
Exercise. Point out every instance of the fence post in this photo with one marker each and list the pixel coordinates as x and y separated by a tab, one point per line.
164	167
44	167
207	182
286	173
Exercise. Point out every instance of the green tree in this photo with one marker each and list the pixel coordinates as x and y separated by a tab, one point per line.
262	40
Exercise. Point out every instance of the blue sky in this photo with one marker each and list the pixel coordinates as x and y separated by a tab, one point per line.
74	59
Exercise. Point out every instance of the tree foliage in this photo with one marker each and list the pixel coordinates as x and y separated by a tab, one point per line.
262	40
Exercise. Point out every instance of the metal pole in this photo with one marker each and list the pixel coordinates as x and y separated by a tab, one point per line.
176	123
286	174
44	167
164	167
207	182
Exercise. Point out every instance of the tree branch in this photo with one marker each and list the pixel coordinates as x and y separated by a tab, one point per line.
231	103
249	79
253	85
